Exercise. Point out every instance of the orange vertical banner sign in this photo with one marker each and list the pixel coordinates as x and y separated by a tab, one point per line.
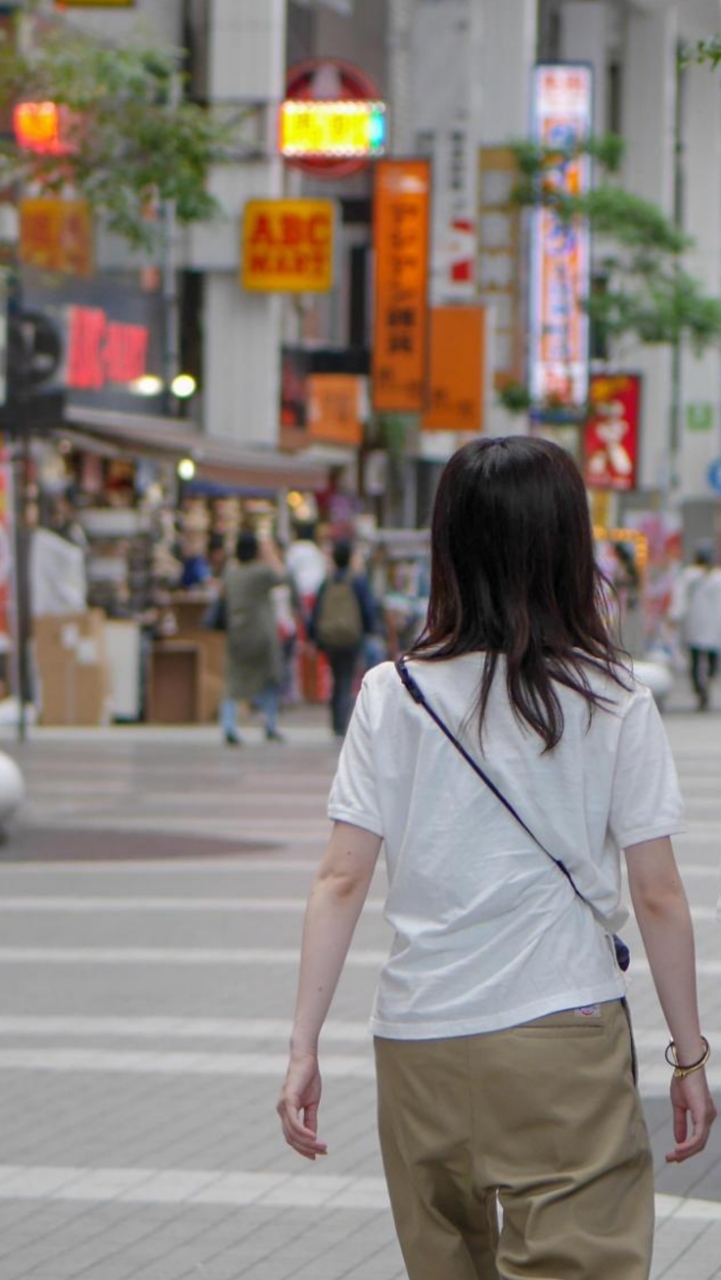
401	217
457	370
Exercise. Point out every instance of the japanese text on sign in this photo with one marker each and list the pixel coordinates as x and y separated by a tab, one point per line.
401	226
288	246
560	251
102	350
332	128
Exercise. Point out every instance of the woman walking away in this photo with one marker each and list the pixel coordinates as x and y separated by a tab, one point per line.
503	1046
254	665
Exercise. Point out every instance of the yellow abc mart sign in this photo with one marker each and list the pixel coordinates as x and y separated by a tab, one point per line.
288	246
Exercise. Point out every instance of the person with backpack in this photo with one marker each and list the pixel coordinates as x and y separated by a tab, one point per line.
343	614
505	763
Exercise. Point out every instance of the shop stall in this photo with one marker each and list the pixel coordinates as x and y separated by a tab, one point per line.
154	507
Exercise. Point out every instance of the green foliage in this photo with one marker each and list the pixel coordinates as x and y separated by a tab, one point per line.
702	51
648	294
133	145
515	397
394	429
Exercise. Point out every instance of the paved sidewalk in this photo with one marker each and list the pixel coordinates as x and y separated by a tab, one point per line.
150	910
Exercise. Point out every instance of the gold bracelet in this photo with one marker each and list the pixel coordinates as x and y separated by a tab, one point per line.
680	1071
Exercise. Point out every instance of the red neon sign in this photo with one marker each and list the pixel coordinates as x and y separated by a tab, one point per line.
102	350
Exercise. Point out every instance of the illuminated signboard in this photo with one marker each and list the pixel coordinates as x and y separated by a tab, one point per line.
333	129
560	250
101	350
332	122
612	430
38	126
288	246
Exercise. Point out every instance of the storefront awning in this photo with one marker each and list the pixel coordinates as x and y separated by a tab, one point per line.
216	460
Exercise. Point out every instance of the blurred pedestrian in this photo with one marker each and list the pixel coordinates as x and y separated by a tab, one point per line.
307	566
696	605
217	556
254	665
628	585
289	621
343	615
504	1053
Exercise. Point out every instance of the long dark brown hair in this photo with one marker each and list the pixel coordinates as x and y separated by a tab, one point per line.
513	573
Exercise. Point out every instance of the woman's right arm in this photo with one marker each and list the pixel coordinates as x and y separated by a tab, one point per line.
664	919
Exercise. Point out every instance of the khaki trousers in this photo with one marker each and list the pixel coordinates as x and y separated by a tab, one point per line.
544	1118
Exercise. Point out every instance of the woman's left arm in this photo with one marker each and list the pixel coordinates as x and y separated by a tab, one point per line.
334	905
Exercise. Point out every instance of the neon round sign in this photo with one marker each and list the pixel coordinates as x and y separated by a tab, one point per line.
331	122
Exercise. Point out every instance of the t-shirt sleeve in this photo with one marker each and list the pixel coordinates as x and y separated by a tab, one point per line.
646	802
353	795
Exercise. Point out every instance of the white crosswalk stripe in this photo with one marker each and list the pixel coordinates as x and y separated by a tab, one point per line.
214	1186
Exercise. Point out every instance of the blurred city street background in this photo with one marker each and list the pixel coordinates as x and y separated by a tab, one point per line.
264	266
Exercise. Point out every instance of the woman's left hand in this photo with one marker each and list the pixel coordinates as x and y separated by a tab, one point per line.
298	1106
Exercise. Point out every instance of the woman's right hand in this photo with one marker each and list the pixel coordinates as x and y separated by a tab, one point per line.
691	1100
298	1106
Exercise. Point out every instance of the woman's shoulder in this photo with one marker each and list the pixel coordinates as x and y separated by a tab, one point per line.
380	680
618	688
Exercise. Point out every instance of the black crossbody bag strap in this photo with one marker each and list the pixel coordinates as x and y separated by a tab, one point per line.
623	955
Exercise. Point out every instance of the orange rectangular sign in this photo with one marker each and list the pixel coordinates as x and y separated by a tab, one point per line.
400	238
56	235
288	246
335	408
457	370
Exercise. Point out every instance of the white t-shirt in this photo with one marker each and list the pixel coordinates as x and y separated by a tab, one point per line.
488	932
307	566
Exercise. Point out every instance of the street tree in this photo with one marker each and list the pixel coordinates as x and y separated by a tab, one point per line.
129	141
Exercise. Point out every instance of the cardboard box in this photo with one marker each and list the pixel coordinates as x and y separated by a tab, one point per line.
55	671
91	694
72	669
